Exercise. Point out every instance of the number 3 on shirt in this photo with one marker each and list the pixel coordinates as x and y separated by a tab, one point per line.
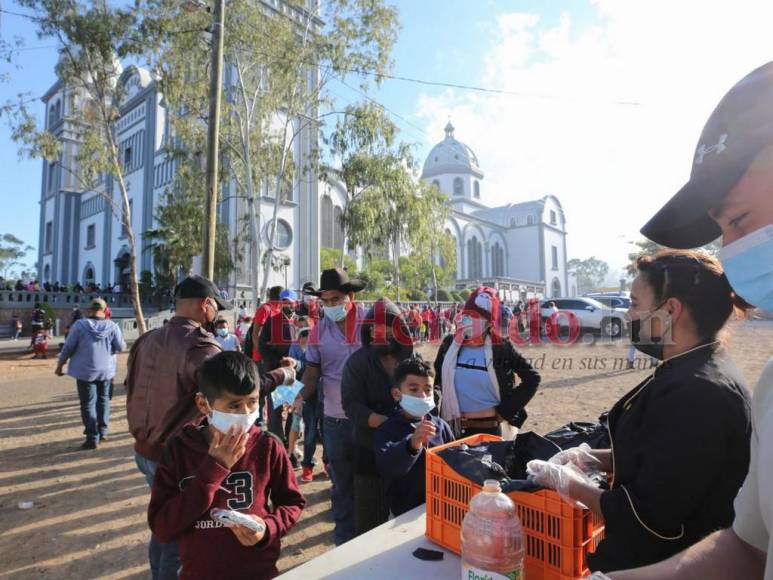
239	484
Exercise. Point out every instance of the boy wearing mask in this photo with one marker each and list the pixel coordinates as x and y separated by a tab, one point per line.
401	441
222	460
224	338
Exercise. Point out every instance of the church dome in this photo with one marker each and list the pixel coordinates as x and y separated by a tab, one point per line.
451	156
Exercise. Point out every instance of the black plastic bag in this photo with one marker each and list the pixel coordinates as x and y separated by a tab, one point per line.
577	432
504	461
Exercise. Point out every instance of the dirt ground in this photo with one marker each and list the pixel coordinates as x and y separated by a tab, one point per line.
88	519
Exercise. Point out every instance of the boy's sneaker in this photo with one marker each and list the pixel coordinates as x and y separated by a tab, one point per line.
89	444
308	474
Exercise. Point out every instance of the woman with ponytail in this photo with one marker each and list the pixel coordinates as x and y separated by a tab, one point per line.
680	438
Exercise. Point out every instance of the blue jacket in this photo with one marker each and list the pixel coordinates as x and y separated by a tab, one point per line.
91	347
400	465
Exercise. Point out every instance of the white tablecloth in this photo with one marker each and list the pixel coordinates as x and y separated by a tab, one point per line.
385	552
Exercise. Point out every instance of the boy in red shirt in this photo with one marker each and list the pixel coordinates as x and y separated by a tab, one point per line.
222	460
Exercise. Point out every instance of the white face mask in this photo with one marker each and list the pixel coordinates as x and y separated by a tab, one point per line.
224	421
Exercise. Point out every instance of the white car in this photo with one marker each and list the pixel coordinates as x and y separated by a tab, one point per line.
591	314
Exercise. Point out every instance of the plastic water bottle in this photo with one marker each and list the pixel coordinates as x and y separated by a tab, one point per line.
492	537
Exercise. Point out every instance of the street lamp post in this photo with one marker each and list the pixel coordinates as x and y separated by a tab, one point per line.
213	145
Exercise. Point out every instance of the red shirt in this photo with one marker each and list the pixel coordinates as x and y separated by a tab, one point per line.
262	314
189	483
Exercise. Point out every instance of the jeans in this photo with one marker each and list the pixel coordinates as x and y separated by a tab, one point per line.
275	422
311	416
95	408
339	445
164	559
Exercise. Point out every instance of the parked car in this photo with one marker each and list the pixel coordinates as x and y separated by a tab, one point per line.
591	314
619	302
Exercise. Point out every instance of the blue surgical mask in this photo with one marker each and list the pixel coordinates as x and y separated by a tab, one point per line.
335	313
417	406
748	264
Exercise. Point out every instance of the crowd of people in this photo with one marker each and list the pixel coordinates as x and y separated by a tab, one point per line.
74	288
688	446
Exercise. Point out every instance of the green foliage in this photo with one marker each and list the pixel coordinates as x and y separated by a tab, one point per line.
457	297
12	251
591	273
464	294
648	247
418	296
442	295
330	258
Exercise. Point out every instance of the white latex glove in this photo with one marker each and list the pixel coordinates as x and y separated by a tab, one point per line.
598	576
557	477
579	456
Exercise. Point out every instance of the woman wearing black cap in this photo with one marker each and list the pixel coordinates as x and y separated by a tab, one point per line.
680	439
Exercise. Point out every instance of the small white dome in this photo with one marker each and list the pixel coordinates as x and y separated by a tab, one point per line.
451	156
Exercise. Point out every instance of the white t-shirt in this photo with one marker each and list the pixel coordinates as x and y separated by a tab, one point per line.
754	502
230	342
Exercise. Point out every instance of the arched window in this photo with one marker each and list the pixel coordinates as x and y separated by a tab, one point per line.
556	288
497	260
476	189
326	219
458	186
530	220
88	274
338	228
474	258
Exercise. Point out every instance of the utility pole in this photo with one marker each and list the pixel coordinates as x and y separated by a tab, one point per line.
213	145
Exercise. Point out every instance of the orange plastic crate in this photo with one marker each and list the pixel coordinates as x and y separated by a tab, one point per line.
558	536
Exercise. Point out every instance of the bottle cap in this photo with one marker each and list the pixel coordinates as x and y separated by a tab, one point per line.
491	486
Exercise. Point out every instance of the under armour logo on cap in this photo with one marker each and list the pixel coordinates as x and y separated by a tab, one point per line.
718	148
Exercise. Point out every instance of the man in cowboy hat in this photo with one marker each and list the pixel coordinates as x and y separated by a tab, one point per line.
332	340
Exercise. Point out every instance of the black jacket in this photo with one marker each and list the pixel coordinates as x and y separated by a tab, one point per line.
275	340
680	447
366	388
508	363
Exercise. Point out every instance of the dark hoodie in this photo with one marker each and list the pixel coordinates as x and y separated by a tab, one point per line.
189	483
365	385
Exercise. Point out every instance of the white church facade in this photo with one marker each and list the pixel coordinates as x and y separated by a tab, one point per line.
82	240
519	248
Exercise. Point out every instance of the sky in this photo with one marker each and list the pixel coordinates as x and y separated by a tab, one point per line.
606	100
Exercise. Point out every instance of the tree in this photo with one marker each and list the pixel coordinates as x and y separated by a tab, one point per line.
92	36
329	258
388	214
281	62
179	237
433	242
12	250
590	273
362	135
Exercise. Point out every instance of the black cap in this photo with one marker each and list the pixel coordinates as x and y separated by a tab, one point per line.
199	287
740	126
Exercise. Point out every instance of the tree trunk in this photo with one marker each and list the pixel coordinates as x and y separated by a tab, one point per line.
275	217
343	245
126	220
397	267
434	274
